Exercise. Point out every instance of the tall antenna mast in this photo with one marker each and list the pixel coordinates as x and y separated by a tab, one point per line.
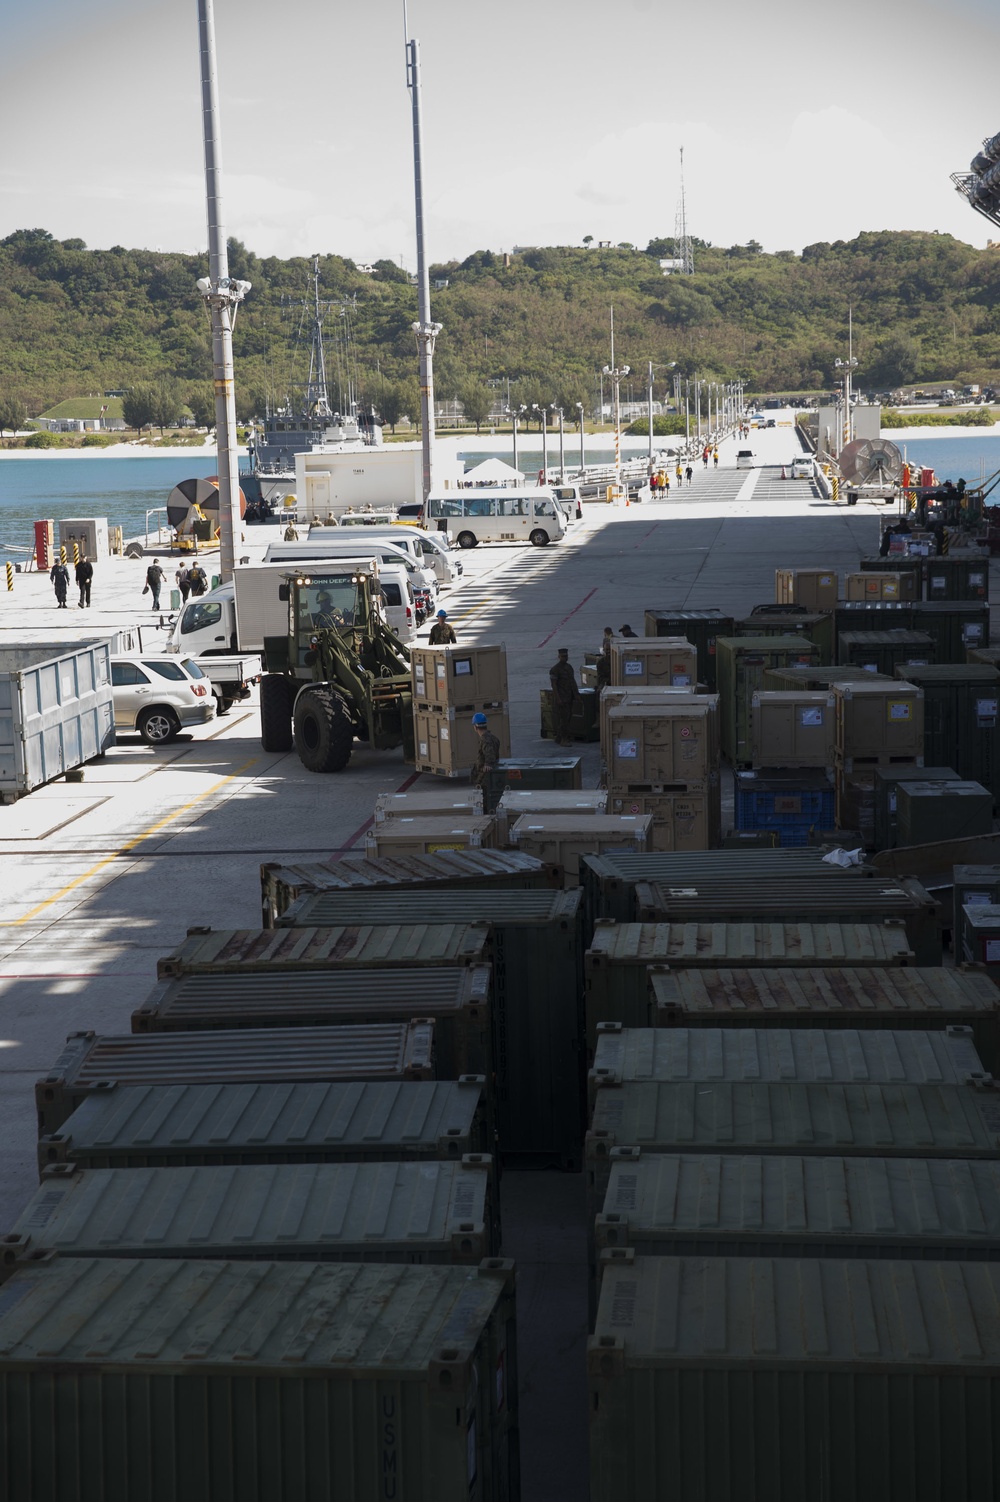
317	396
425	330
682	243
222	294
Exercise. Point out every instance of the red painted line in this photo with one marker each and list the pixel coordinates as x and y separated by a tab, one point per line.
356	836
642	539
568	617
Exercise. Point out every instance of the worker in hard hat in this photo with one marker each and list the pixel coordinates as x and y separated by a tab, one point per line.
488	753
442	634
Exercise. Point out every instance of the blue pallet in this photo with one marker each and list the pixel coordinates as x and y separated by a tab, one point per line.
792	812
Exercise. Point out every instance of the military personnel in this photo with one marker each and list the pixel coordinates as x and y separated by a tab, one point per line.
604	660
626	630
564	696
488	753
442	635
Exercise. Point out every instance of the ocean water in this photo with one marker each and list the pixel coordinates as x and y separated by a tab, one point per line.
952	458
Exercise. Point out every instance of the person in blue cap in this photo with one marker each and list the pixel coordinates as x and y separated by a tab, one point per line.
442	635
488	753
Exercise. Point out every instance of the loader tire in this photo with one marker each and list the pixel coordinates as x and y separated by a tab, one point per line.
275	713
324	734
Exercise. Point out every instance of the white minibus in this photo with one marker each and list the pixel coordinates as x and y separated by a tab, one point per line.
500	515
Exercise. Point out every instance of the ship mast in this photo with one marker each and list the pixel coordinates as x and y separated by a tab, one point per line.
317	396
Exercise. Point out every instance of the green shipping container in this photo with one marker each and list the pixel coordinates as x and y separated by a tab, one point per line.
808	679
956	625
961	719
545	772
972	886
306	1212
585	720
873	615
751	1379
617	963
282	885
779	620
362	946
881	652
194	1381
899	563
138	1126
887	780
742	663
958	576
701	628
536	942
930	811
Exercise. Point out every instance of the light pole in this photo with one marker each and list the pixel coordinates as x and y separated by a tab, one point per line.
847	366
562	451
670	365
425	330
687	411
583	461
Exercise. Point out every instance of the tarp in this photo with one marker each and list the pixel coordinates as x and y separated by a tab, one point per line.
494	472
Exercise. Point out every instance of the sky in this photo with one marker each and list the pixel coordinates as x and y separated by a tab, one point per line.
543	123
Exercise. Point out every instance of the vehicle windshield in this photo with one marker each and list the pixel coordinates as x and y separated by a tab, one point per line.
199	615
328	601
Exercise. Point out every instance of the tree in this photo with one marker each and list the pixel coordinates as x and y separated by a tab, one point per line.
388	271
139	407
166	406
13	412
409	394
896	361
588	240
476	399
391	405
201	402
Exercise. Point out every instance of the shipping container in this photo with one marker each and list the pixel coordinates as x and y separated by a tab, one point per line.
746	1379
670	662
369	946
673	698
456	998
901	563
791	802
955	625
875	615
855	799
420	805
799	899
459	677
688	1204
138	1126
569	802
609	881
742	663
958	576
422	834
882	652
562	841
972	886
446	743
306	1212
193	1381
750	839
981	936
797	1056
684	818
879	724
988	655
831	997
620	954
584	720
89	1062
961	719
792	729
536	943
886	785
542	772
893	587
55	711
648	745
931	811
779	620
815	588
808	679
448	869
700	627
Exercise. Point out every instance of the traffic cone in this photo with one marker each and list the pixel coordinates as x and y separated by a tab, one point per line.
783	475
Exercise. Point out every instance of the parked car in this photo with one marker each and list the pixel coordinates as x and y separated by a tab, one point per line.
744	459
160	696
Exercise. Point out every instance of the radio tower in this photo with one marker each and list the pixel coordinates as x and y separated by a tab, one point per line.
682	241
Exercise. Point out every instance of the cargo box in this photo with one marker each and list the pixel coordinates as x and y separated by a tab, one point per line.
800	899
742	663
811	680
733	1377
616	964
447	744
370	946
792	730
543	772
831	997
56	710
562	841
855	798
898	563
700	627
961	719
459	677
930	811
792	802
779	620
323	1212
568	802
584	720
875	615
536	941
894	587
137	1126
199	1379
958	576
815	588
956	625
421	804
456	998
672	1205
972	886
882	652
886	789
879	724
447	869
671	662
89	1063
674	699
649	745
402	834
981	936
683	818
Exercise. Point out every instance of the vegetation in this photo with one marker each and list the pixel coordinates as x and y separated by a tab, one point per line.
979	417
667	425
536	325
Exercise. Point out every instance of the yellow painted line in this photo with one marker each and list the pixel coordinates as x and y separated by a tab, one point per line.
130	845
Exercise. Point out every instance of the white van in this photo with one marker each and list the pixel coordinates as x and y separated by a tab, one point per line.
426	552
803	467
501	515
570	502
350	545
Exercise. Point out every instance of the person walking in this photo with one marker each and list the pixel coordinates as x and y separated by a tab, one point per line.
705	457
689	474
678	474
291	535
442	635
84	575
154	583
183	582
626	630
715	458
198	579
59	574
565	695
488	752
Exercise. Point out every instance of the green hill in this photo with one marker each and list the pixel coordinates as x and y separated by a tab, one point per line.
925	307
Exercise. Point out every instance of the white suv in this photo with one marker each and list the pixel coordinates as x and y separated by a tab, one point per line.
158	696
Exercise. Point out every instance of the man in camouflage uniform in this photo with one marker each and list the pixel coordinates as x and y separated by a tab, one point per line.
442	635
488	753
564	696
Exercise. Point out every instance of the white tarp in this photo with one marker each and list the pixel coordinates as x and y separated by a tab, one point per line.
493	472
